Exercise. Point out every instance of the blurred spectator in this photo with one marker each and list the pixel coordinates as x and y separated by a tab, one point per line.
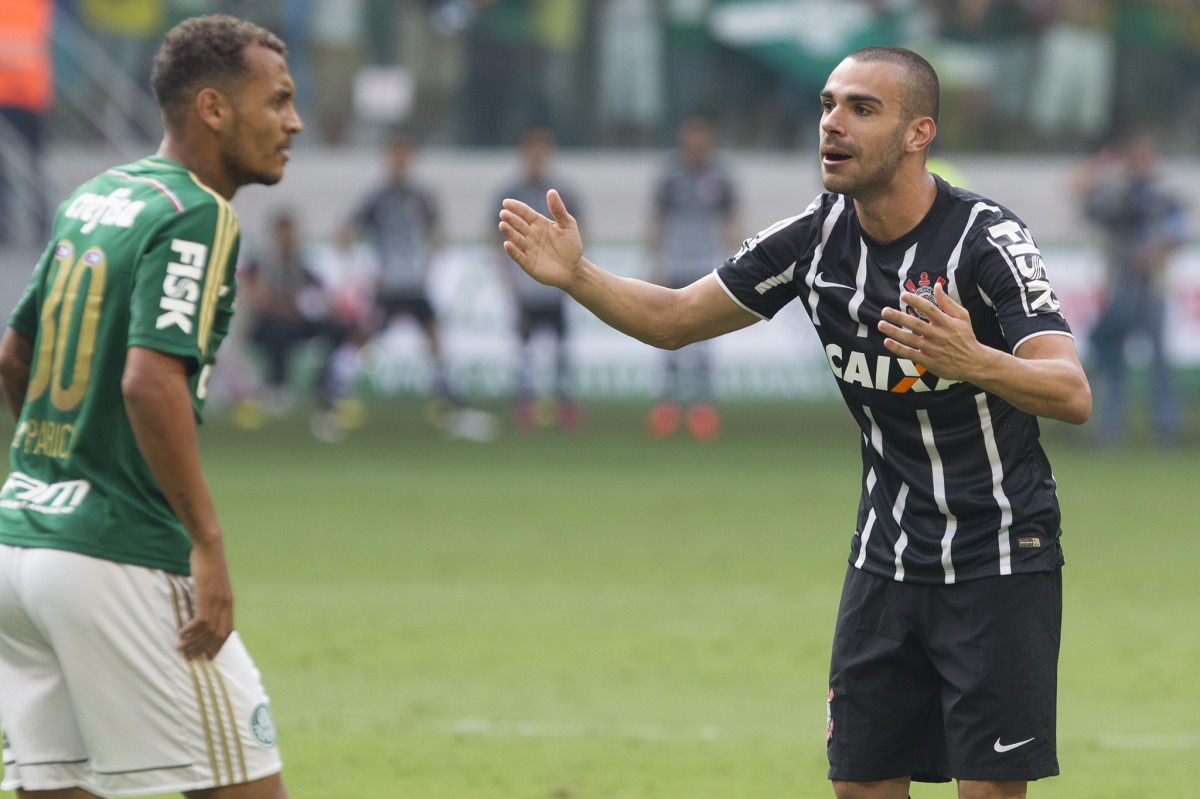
557	28
691	61
539	306
335	46
1072	99
501	90
629	63
694	227
128	30
399	219
1144	224
1150	62
989	44
291	307
26	93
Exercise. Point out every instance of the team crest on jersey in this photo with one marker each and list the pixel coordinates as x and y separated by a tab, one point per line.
923	288
262	725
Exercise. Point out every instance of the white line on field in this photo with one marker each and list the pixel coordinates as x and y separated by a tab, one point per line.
582	729
1149	741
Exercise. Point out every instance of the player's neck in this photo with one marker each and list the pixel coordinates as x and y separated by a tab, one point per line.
894	211
203	165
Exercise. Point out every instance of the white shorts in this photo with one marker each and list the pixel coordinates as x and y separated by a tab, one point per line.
93	693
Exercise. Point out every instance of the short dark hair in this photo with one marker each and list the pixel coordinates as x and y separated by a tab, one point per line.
922	90
202	52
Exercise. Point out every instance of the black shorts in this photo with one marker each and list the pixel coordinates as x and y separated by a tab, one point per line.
545	317
941	682
397	303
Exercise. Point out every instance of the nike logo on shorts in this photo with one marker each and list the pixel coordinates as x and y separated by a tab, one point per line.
825	284
999	747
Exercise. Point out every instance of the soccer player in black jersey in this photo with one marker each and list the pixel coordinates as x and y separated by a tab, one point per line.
945	337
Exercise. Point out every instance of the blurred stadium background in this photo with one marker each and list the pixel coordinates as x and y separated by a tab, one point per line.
1031	89
602	615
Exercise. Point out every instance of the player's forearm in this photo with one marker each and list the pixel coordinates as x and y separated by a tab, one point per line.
1048	387
16	359
650	313
159	406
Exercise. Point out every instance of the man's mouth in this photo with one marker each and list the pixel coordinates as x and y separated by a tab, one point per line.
833	155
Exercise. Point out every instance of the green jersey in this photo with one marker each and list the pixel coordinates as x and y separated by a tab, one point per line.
141	255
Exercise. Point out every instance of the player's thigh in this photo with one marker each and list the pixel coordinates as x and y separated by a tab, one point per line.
884	716
996	643
151	719
43	746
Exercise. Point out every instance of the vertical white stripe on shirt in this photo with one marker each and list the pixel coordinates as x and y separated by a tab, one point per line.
938	477
902	541
865	536
910	255
860	289
835	212
956	256
1004	539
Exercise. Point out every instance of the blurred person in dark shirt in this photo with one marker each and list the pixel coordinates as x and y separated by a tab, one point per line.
291	307
1144	225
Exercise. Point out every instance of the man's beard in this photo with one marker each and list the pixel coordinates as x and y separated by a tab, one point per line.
880	177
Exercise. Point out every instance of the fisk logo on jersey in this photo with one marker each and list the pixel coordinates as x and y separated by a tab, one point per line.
181	286
22	492
897	375
114	209
1017	243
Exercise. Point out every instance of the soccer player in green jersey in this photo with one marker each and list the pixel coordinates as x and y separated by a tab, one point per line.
120	671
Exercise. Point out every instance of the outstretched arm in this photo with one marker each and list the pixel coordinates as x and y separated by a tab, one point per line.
551	251
1044	377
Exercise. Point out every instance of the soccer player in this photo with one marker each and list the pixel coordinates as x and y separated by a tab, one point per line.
946	340
120	670
401	222
693	224
538	305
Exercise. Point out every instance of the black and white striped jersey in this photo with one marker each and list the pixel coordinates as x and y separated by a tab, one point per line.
955	484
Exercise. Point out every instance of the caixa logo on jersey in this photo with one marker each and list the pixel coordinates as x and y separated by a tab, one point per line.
883	372
182	286
22	492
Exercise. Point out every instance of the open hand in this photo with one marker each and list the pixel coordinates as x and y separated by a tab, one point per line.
548	249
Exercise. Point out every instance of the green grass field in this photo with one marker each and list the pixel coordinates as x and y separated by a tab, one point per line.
602	616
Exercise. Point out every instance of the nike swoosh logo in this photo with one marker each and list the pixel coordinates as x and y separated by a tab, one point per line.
825	284
999	747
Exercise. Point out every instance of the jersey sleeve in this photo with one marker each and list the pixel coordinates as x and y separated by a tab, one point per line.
183	284
761	277
1013	280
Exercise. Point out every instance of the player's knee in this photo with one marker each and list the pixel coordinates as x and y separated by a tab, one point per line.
991	789
884	789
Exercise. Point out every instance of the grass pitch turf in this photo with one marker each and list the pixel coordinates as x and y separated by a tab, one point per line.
600	615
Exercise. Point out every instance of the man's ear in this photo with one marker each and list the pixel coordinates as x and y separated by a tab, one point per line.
920	133
213	108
